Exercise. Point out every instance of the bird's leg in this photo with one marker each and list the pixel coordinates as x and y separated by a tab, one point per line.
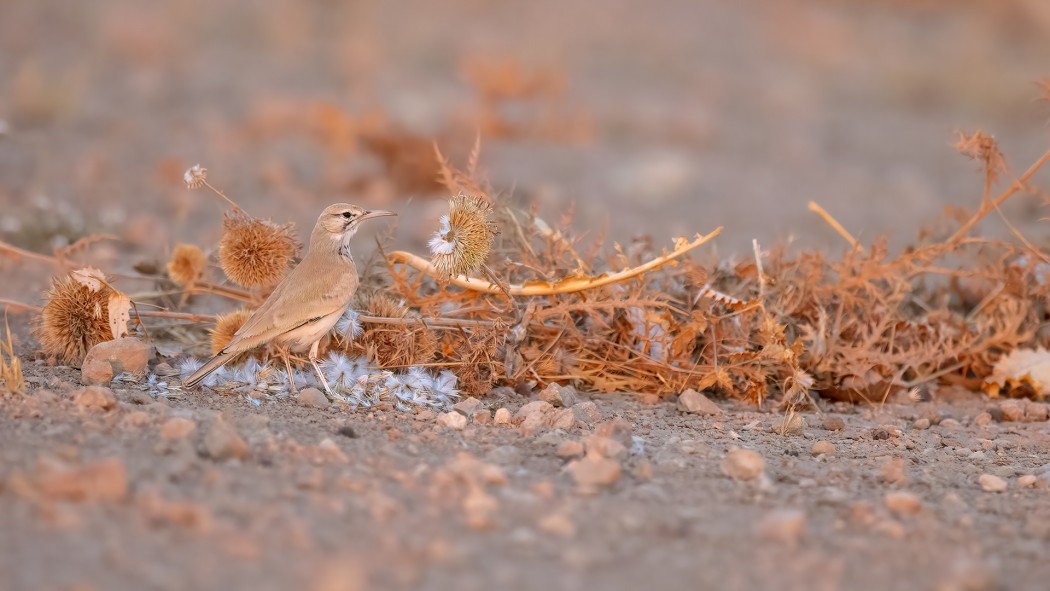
313	362
291	376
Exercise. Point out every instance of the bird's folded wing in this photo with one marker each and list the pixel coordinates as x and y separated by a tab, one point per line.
297	300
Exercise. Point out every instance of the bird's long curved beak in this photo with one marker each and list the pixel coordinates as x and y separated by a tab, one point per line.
375	213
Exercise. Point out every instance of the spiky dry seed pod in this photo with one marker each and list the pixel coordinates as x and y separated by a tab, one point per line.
73	320
226	325
187	264
463	243
389	345
253	252
195	176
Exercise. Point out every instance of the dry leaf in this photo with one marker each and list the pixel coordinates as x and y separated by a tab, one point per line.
119	314
1021	368
89	277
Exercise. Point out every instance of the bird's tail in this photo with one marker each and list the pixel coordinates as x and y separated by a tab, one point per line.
205	370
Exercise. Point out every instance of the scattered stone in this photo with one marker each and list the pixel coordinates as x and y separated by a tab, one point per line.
136	419
176	428
950	424
536	407
104	481
991	483
592	473
313	398
1013	410
605	447
882	432
481	416
694	402
823	448
561	418
586	413
558	524
1036	411
98	397
569	449
222	442
468	406
559	396
793	424
533	424
111	358
893	471
616	428
502	417
480	507
921	424
784	526
982	419
452	420
833	423
902	503
332	451
743	464
1027	481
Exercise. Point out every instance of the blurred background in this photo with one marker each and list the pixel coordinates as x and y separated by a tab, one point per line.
667	117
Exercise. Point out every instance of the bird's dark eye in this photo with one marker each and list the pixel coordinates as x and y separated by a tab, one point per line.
347	215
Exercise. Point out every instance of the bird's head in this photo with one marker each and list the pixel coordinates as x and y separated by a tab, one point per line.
339	222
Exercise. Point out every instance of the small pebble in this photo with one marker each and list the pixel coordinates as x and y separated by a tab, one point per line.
592	473
893	472
833	424
467	406
950	424
313	398
481	416
694	402
991	483
823	448
743	464
921	424
561	418
902	503
177	428
452	420
502	417
784	526
559	396
982	419
534	408
586	412
1027	481
569	449
223	442
99	397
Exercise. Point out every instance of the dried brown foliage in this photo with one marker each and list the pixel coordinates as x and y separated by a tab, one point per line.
387	345
254	252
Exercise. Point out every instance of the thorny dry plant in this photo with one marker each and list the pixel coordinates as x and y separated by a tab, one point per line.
508	297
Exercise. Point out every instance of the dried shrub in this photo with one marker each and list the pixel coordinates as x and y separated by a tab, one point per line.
187	264
226	326
74	319
254	252
464	240
389	345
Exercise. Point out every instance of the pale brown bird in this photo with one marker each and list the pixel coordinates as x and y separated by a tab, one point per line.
309	301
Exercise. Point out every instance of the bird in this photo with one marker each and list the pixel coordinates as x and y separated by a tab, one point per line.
309	301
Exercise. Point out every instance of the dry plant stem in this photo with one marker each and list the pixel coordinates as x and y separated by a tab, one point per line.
988	206
22	253
537	288
223	195
19	306
835	225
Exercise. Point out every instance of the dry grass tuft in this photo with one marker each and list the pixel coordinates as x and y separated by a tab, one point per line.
253	252
464	241
74	319
11	367
187	264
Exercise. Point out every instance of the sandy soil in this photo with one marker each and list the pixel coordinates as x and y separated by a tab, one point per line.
691	114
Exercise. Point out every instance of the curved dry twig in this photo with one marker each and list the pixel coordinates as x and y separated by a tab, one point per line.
570	284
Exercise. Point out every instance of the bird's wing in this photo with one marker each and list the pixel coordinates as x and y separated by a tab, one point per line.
305	294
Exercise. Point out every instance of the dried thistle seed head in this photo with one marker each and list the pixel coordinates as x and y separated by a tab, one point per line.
464	240
389	345
195	176
74	319
226	326
253	252
187	264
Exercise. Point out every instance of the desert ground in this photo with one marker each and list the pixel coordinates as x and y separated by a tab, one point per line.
663	120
